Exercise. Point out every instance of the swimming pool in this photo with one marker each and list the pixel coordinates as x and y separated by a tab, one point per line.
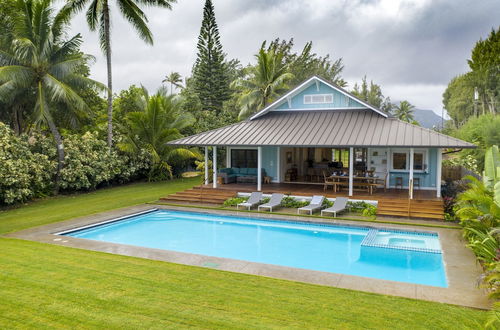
412	257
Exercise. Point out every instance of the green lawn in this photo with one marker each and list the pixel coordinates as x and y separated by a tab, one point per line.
51	286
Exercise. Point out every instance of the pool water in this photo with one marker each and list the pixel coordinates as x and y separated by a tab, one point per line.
361	251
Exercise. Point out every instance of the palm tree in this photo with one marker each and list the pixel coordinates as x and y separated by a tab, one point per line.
98	18
158	120
41	64
175	79
263	82
404	112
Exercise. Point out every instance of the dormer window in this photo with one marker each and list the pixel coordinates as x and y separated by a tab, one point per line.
318	98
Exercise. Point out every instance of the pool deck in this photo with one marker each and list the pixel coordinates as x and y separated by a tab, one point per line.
462	271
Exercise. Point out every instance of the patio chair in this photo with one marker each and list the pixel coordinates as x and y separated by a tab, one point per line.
275	201
328	181
316	204
252	201
339	206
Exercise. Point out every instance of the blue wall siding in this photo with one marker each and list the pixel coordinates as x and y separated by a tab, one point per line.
427	180
339	100
269	161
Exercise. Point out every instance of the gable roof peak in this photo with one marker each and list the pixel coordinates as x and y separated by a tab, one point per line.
306	83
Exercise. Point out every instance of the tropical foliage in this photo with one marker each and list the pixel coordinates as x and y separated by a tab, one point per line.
262	83
372	94
158	120
476	92
174	79
99	18
404	112
29	163
42	68
478	209
484	132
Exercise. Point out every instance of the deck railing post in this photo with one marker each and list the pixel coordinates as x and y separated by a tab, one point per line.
214	161
438	172
410	179
259	168
206	165
351	169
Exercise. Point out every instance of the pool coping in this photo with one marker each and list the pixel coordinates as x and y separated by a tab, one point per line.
462	271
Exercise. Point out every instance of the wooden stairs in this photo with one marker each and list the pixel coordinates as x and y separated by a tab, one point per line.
199	195
426	209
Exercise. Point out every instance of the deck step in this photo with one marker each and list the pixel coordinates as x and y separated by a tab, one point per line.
426	209
198	195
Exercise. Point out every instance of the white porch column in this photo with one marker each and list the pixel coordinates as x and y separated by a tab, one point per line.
351	169
278	164
228	157
259	168
214	163
206	165
388	165
438	172
410	179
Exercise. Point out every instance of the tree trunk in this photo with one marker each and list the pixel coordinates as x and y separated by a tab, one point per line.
110	80
60	154
15	121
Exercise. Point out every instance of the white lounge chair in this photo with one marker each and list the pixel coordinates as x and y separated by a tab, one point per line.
339	206
254	199
316	204
273	202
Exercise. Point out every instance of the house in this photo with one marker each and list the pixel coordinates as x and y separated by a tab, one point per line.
318	129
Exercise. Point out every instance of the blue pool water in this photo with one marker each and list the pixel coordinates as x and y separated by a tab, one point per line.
362	251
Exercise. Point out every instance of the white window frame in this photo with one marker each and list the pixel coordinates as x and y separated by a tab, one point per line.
310	96
425	153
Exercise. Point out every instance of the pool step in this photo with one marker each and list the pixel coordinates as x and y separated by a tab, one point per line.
198	195
426	209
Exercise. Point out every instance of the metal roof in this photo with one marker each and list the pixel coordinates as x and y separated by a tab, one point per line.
330	128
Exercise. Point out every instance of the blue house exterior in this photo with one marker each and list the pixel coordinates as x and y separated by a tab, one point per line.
318	129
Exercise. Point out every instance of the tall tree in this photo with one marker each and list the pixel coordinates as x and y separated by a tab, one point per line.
99	18
485	66
458	99
210	74
404	112
42	65
307	63
158	120
175	79
263	83
372	94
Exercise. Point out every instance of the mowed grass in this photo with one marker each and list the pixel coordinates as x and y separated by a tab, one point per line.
48	286
65	207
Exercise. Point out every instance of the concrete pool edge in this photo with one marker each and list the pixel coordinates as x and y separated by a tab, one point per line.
461	269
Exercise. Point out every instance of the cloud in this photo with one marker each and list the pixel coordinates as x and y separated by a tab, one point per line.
412	48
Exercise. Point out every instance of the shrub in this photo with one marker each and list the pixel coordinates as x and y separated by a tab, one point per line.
369	211
28	165
23	173
235	201
290	202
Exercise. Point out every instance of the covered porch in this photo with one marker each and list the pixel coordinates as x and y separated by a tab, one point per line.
345	171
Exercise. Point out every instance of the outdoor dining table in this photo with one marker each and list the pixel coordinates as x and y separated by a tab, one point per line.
366	179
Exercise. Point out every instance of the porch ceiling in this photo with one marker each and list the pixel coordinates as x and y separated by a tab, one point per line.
332	128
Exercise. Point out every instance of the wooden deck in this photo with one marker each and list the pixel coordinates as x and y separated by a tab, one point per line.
393	202
300	189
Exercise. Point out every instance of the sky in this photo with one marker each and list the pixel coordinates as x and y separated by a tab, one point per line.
412	48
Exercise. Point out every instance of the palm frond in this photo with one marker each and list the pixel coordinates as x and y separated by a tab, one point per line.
135	16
